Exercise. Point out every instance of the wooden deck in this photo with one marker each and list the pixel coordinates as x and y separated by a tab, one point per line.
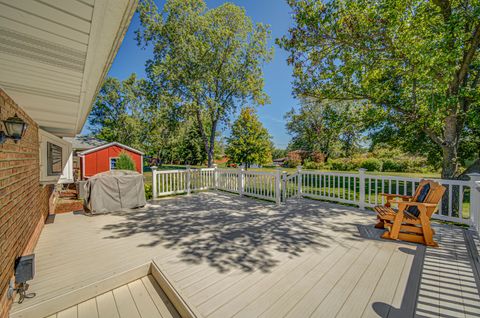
229	256
141	298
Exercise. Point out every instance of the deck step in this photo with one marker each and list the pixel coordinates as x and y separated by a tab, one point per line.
134	293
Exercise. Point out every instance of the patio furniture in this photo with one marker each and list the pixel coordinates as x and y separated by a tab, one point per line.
411	221
389	198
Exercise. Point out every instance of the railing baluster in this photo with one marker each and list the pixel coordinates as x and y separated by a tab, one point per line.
460	202
450	210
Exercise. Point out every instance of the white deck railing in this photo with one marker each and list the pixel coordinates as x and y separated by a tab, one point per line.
461	202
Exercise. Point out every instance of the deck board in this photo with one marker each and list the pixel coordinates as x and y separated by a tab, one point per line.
142	298
88	309
106	305
164	306
232	256
125	303
358	297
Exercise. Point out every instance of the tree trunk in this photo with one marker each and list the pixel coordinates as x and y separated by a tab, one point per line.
211	148
208	147
450	147
450	162
210	156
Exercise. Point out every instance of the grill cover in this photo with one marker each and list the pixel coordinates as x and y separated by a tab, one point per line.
115	190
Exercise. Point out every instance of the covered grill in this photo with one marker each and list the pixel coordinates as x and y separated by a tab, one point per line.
115	190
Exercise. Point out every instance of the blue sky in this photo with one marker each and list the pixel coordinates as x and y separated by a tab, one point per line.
278	75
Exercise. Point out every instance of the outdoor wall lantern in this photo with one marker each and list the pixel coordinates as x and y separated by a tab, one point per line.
24	271
15	129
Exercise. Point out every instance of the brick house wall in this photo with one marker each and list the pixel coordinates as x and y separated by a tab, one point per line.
24	203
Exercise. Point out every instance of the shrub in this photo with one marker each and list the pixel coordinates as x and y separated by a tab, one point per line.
388	164
317	157
391	165
125	162
344	164
294	159
372	164
313	165
406	164
148	191
412	164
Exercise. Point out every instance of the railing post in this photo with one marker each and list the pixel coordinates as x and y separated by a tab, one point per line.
241	180
154	182
189	172
215	177
278	188
283	188
361	179
299	178
475	199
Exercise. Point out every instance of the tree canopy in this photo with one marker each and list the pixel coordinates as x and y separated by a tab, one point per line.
114	115
416	62
206	62
249	142
329	127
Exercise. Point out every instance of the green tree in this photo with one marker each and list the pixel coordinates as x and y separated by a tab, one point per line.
279	153
125	162
249	142
325	126
206	62
190	148
416	61
161	124
114	116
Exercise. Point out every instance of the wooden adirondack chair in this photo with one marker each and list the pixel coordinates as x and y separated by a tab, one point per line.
411	222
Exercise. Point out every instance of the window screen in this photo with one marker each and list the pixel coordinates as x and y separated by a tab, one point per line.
54	159
113	163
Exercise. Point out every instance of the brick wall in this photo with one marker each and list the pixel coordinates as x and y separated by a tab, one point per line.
24	203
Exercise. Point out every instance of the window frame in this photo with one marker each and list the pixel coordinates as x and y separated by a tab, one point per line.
50	163
66	174
110	163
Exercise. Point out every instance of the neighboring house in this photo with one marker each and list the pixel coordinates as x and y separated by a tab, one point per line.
222	160
54	57
103	158
279	161
81	143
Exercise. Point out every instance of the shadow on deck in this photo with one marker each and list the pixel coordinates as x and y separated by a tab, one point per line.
242	235
236	233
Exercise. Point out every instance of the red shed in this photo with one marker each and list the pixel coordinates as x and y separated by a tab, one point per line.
103	158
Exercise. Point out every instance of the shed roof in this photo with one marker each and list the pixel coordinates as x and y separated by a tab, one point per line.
109	145
84	142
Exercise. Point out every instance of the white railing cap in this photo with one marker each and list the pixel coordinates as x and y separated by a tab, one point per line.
474	176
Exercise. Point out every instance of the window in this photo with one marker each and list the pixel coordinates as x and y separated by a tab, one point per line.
54	159
113	163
